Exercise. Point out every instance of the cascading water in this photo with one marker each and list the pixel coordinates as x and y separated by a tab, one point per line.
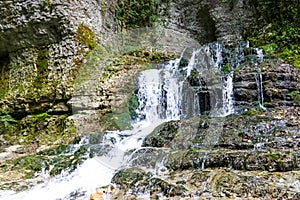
259	81
207	90
159	94
186	87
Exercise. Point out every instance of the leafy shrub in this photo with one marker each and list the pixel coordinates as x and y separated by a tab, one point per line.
139	13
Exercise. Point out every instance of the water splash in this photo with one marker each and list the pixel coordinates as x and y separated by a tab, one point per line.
259	80
228	96
164	93
159	94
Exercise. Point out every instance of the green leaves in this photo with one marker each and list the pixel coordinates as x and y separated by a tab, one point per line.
226	68
137	13
7	120
280	35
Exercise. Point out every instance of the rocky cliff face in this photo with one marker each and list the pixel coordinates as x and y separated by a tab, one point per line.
42	45
208	21
279	81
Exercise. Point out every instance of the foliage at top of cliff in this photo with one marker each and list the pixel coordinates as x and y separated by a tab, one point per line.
139	13
277	30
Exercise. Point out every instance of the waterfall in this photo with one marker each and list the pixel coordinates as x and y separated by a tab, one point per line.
206	89
259	80
159	94
228	100
189	86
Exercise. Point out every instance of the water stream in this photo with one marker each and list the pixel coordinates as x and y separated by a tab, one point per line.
170	91
259	80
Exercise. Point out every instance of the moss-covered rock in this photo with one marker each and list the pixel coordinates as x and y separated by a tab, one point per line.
26	170
162	135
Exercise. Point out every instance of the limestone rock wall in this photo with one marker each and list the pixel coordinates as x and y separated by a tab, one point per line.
280	85
211	20
42	45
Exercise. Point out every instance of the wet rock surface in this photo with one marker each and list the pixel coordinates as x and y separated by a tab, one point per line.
44	43
209	21
221	183
219	158
42	47
279	80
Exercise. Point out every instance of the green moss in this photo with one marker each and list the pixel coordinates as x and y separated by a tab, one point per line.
30	165
296	96
7	120
68	162
42	60
41	79
4	76
4	83
47	2
132	106
274	157
86	36
238	68
226	68
56	151
8	125
117	120
251	112
103	8
38	117
42	129
54	160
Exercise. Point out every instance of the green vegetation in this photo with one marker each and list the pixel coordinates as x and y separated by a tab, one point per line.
46	2
39	116
40	129
238	68
4	75
139	13
136	13
251	112
31	164
7	120
132	106
54	160
42	60
279	32
226	68
103	8
296	96
86	36
116	120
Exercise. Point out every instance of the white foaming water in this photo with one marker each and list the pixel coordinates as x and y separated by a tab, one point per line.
259	81
159	94
192	62
159	97
228	105
207	61
90	175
